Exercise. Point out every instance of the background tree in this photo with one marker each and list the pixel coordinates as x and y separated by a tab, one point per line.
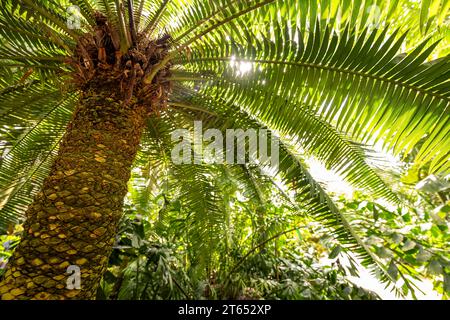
330	78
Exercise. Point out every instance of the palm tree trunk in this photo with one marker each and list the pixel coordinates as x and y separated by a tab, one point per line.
73	221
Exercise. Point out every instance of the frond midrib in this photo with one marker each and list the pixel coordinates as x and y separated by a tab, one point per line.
333	69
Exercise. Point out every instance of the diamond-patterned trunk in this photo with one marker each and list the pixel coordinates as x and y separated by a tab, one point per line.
73	221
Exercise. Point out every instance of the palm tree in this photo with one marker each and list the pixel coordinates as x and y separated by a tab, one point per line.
329	78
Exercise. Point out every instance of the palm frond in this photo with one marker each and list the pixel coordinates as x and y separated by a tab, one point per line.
311	197
27	161
355	83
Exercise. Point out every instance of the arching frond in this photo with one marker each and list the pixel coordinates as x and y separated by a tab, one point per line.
355	83
29	156
311	197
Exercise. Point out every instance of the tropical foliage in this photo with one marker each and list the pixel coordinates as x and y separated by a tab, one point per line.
333	80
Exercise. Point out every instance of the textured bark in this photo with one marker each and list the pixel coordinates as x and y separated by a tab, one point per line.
73	221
